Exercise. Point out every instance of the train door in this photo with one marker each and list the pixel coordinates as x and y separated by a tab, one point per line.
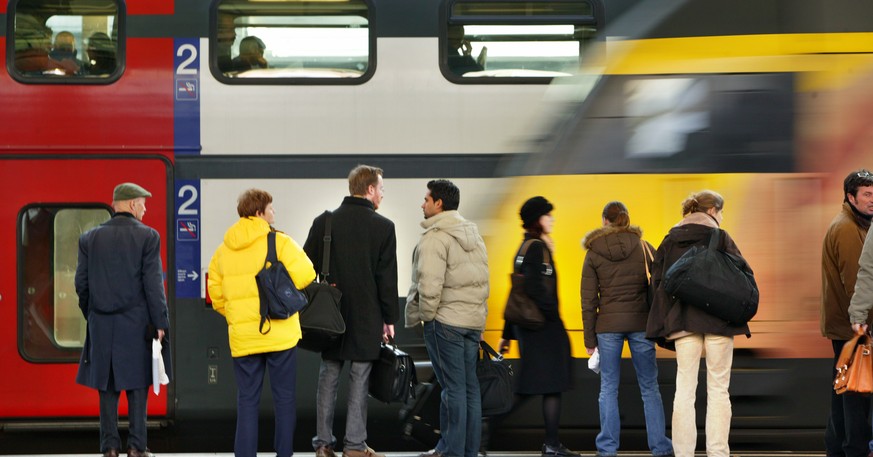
48	201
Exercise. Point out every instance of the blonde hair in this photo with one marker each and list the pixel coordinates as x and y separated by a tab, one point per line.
702	202
362	177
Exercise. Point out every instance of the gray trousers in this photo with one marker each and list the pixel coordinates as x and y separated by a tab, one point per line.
356	416
136	411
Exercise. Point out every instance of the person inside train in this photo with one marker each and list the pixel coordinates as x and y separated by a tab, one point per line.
235	296
65	54
847	431
691	332
101	54
224	39
546	362
459	52
32	45
251	55
615	308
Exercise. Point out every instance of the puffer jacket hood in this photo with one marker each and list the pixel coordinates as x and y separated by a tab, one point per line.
245	232
451	222
614	248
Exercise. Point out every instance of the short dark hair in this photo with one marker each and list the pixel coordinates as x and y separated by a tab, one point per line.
445	190
252	202
856	179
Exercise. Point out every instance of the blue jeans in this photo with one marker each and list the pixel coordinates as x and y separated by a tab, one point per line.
356	408
249	371
453	352
643	356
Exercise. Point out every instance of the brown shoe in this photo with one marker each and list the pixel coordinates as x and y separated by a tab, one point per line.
367	452
111	452
324	451
135	453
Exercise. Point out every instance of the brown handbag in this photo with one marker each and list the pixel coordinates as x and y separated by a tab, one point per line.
855	366
520	309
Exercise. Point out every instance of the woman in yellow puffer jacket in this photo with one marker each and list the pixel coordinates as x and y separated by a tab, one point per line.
234	295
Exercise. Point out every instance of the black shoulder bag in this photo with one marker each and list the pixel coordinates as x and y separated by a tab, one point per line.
321	321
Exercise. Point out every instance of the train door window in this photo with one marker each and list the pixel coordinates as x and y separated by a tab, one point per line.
75	41
515	41
51	326
312	42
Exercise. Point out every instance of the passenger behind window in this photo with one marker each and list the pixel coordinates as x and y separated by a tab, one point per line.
32	45
459	52
251	54
101	54
225	37
64	54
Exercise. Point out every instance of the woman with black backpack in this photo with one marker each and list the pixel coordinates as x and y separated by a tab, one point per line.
690	331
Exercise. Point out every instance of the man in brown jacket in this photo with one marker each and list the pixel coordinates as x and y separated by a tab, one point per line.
847	433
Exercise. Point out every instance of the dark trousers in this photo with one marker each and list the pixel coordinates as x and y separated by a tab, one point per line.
848	431
136	411
249	371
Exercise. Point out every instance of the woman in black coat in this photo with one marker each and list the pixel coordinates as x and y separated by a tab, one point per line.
691	331
545	353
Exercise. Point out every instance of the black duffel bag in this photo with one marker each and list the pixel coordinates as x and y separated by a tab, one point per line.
495	382
393	377
719	283
321	321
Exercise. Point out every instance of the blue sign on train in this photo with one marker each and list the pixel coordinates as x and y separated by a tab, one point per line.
186	120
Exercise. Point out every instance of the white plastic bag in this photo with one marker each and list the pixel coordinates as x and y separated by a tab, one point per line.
594	361
159	372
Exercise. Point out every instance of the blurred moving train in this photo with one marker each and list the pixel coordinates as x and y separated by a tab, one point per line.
583	101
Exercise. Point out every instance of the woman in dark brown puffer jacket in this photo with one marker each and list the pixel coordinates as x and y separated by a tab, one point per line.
615	278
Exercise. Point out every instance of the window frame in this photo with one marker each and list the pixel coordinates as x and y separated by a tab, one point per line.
447	19
120	52
220	77
65	354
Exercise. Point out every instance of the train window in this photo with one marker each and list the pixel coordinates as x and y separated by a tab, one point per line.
312	42
515	41
51	326
74	41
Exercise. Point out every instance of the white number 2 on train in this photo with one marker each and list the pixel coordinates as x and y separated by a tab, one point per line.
184	209
183	68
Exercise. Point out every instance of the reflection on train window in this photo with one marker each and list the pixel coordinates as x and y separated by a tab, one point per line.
72	41
325	40
51	325
536	41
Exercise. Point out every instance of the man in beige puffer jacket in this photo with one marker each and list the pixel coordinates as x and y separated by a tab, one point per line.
449	296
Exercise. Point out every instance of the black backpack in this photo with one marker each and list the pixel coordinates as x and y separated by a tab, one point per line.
280	298
719	283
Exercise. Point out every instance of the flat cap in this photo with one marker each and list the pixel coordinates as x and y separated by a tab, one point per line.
129	191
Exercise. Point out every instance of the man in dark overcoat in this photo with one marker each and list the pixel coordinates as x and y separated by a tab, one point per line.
363	266
119	281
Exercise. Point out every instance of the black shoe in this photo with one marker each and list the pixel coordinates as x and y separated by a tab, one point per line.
111	452
558	451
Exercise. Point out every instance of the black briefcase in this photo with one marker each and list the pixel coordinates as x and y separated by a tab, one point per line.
393	376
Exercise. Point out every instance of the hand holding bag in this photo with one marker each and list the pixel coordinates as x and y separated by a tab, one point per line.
520	309
495	381
855	366
393	377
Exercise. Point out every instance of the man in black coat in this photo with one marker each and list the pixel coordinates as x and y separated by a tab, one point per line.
363	266
119	281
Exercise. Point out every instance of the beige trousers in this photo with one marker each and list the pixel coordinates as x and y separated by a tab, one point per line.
719	357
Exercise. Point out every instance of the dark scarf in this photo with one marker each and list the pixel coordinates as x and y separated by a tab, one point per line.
862	219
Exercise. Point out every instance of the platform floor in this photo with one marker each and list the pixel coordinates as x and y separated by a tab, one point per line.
409	454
